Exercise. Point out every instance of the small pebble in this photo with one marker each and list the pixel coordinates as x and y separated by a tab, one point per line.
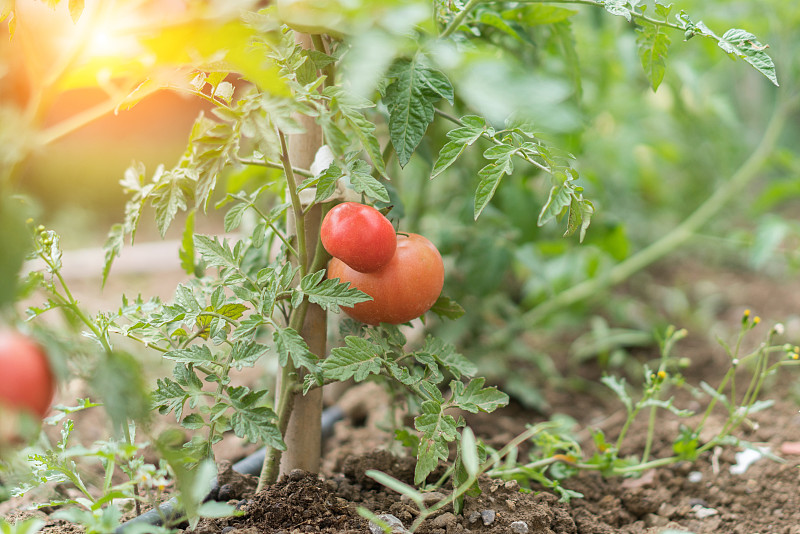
520	527
241	504
695	477
702	512
391	520
225	492
488	517
228	529
443	520
474	516
697	502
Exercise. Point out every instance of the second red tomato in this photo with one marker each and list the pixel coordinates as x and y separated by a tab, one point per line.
359	235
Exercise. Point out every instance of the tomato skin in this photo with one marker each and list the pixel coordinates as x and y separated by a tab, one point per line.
26	380
359	235
403	290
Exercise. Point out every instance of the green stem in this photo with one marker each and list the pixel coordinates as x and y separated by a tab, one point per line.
651	425
273	165
673	239
459	18
297	208
634	14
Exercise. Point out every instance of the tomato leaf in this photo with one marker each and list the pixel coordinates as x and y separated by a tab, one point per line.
460	139
330	294
357	360
410	99
290	344
252	420
745	45
475	398
447	308
653	43
490	177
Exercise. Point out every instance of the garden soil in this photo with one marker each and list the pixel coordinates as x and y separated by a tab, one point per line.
718	493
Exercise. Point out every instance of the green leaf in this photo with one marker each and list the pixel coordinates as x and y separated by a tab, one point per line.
410	99
330	294
172	193
195	354
247	353
362	181
475	398
447	308
745	45
253	421
437	430
186	252
580	216
290	344
653	43
112	249
217	254
560	197
469	452
490	177
445	354
618	7
357	360
169	396
540	14
460	139
618	386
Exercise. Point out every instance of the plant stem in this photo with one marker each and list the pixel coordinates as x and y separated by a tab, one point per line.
651	425
459	18
634	14
273	165
297	208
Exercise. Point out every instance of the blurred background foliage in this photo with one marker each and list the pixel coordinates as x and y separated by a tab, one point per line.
646	159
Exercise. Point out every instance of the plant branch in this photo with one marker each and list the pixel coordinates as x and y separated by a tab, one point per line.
297	208
274	165
459	18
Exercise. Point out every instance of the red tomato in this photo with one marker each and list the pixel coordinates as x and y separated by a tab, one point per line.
26	381
403	290
359	235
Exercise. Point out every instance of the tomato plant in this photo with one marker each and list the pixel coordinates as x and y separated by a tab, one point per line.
359	235
26	381
403	289
372	97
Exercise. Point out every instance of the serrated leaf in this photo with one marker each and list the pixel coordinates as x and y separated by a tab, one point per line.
653	43
252	421
247	353
618	7
112	249
331	295
217	254
365	184
745	45
437	430
580	216
291	345
195	354
475	398
357	360
490	177
171	193
618	386
169	396
410	99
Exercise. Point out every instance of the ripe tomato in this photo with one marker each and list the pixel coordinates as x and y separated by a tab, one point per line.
402	290
26	381
359	235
